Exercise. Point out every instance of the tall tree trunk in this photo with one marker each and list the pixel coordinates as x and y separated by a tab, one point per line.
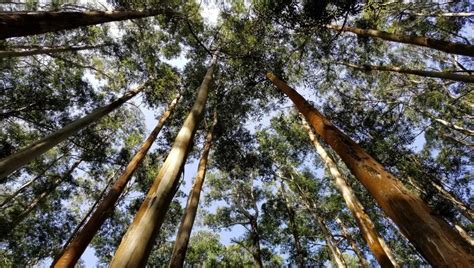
255	238
330	241
23	53
137	243
187	222
79	243
28	183
39	199
449	47
293	227
353	244
430	234
24	156
30	23
376	243
463	208
442	75
80	224
462	232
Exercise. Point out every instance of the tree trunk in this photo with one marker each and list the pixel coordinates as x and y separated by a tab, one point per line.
455	127
79	243
430	234
39	199
11	54
463	233
26	155
448	47
79	226
30	23
293	227
28	183
185	228
330	241
464	209
376	243
255	237
353	244
137	243
442	75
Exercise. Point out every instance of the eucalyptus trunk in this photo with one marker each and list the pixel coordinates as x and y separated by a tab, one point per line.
293	228
39	199
445	46
363	262
14	24
439	244
255	239
24	53
77	246
24	156
138	241
184	232
376	243
79	226
442	75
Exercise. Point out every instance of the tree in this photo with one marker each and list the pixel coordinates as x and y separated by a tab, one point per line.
136	244
371	171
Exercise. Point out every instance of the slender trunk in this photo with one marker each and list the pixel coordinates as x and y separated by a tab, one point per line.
463	208
353	244
442	75
293	227
79	243
255	237
28	183
462	232
455	127
185	228
79	226
11	54
448	47
376	243
26	155
446	14
30	23
137	243
430	234
330	241
40	199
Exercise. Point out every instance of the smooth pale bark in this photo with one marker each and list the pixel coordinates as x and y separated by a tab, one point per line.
376	243
14	24
26	155
446	14
137	242
463	233
28	183
439	244
363	262
79	226
40	198
80	241
24	53
455	127
184	232
445	46
442	75
293	227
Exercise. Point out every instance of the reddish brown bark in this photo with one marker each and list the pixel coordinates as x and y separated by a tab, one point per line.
445	46
432	236
187	222
138	241
26	155
79	243
30	23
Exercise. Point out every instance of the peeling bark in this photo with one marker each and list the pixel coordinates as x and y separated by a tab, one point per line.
431	235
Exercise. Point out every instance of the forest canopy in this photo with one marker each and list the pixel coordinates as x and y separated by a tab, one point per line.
236	133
